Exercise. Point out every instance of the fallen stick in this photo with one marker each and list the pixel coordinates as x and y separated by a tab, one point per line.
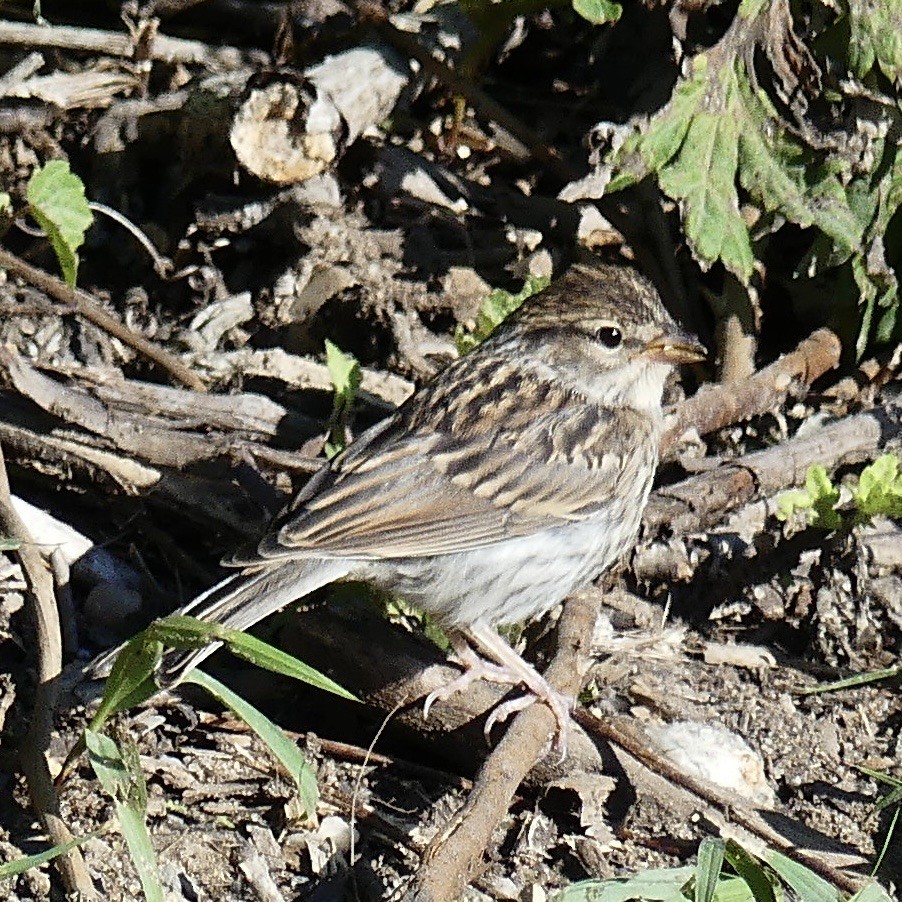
83	304
48	647
454	856
713	407
112	43
699	501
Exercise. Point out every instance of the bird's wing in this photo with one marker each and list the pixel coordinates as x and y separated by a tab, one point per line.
421	486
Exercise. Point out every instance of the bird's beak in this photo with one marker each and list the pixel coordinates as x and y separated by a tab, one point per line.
674	348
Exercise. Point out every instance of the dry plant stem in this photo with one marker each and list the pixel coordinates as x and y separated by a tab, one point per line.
716	406
618	731
699	501
33	760
454	856
109	43
83	304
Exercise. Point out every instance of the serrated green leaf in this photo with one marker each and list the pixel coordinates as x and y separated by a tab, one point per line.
703	177
290	756
56	199
876	37
667	130
778	172
120	775
824	498
879	490
792	500
598	12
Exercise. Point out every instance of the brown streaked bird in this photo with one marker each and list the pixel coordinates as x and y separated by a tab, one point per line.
511	479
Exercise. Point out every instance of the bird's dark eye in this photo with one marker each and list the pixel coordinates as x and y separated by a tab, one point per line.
609	336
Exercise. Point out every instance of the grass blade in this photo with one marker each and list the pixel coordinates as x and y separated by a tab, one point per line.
290	756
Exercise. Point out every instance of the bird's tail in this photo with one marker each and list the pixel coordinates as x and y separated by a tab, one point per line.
240	601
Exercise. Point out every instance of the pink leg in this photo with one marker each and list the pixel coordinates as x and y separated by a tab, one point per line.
511	669
475	668
523	672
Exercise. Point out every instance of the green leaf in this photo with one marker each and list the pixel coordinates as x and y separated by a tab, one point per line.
792	500
707	871
819	498
598	12
752	872
807	885
871	893
667	129
858	679
879	491
56	198
876	37
271	658
120	775
775	169
27	862
131	679
494	310
654	885
344	371
278	743
703	177
183	631
824	497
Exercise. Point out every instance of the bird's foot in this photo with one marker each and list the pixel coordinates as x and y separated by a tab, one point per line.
475	668
560	705
509	668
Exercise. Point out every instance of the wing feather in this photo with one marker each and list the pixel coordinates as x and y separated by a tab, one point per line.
424	484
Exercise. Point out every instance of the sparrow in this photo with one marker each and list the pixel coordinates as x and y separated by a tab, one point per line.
514	477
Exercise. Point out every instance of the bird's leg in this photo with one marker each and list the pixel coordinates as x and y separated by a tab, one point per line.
474	667
520	671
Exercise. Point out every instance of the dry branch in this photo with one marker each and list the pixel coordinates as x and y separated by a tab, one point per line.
699	501
454	856
85	305
49	659
713	407
111	43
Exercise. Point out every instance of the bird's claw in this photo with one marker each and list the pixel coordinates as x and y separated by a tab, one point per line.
560	706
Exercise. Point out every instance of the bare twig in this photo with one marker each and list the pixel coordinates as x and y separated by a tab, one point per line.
455	855
110	43
48	644
699	501
85	305
716	406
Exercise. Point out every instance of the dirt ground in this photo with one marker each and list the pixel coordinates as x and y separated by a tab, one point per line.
722	624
